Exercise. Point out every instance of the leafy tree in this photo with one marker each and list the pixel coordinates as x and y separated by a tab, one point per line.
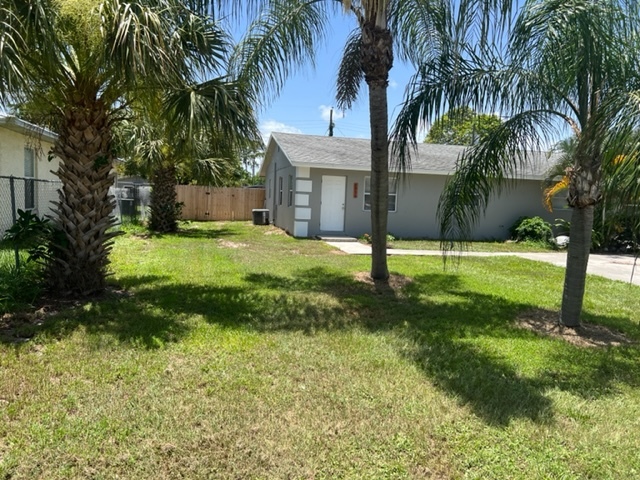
461	126
571	62
82	61
286	33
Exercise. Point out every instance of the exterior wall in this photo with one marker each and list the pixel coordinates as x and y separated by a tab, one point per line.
27	194
12	145
416	204
281	213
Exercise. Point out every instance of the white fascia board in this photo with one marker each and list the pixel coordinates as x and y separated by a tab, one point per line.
262	171
331	166
20	126
360	168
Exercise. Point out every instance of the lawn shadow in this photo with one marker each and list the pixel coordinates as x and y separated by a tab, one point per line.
190	231
435	318
124	320
441	332
488	384
115	314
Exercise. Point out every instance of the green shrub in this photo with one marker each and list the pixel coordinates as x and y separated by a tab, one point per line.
366	238
37	235
533	229
19	287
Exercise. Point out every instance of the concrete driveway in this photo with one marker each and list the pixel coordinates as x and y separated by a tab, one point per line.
615	267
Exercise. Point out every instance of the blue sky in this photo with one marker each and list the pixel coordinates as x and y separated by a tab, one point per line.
304	102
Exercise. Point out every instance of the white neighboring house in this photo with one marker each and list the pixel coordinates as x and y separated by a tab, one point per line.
24	155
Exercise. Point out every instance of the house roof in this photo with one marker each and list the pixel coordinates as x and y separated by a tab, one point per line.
15	124
354	154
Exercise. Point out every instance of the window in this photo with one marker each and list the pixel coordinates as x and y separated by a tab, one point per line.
29	183
392	194
279	190
559	201
290	192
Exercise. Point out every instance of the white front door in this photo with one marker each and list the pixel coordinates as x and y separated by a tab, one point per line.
332	201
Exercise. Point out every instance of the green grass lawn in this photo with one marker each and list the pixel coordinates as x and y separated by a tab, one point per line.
478	246
233	351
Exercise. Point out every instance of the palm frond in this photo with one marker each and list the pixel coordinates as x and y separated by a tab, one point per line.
549	192
488	168
420	28
219	106
12	45
159	41
350	73
283	38
29	48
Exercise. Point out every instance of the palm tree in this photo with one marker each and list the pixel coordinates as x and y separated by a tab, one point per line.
195	132
84	66
286	33
615	224
569	63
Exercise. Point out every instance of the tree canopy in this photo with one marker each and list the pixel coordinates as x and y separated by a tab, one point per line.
461	126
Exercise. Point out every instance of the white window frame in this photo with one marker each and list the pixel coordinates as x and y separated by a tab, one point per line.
366	194
280	190
290	192
30	174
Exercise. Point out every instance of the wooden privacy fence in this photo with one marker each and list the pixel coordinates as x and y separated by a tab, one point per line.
208	203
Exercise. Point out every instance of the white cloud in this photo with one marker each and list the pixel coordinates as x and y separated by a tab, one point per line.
274	126
325	112
393	83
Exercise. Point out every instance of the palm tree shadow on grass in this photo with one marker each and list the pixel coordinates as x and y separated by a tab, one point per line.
190	231
124	321
435	319
115	315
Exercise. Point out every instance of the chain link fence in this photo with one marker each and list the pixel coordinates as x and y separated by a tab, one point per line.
20	193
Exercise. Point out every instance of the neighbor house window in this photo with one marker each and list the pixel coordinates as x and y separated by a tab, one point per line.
29	183
279	190
392	194
290	192
559	201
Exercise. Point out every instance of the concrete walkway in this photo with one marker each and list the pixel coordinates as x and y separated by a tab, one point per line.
615	267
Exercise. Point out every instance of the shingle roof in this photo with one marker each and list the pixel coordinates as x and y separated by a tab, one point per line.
354	154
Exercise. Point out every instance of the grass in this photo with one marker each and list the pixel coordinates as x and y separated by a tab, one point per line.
477	246
237	352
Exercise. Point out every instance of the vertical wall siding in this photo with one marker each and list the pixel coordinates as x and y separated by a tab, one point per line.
207	203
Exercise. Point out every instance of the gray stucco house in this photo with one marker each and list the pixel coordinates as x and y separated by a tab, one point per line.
320	186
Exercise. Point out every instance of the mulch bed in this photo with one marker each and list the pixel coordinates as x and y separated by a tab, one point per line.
546	322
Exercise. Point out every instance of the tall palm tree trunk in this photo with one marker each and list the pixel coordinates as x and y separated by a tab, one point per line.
377	60
577	259
163	207
379	182
80	260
